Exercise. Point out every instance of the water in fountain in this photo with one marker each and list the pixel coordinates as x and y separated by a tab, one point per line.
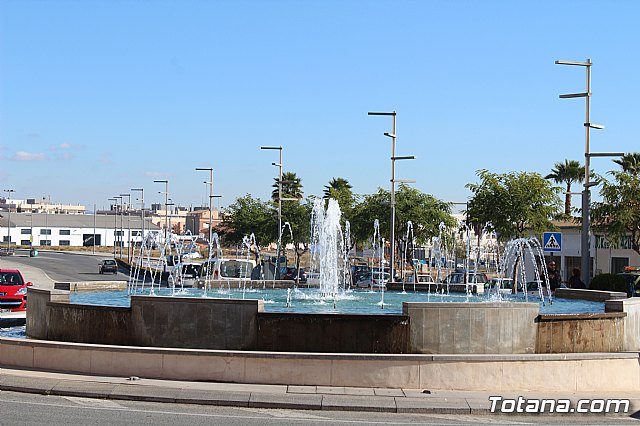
326	237
514	265
409	241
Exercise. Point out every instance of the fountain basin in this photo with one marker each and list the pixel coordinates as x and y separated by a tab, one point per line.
236	324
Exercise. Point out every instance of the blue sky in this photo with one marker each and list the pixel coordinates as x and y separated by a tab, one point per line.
99	97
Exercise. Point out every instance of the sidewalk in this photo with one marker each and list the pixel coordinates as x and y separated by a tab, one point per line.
38	277
270	396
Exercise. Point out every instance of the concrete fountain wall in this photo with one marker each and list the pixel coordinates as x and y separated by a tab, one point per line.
422	328
570	372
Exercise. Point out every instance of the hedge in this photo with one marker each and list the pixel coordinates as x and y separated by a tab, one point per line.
609	282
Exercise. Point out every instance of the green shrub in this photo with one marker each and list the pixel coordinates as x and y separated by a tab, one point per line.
609	282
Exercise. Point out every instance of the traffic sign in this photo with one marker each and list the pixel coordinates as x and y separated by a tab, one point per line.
552	241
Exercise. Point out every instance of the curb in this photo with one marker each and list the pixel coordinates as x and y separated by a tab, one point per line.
118	391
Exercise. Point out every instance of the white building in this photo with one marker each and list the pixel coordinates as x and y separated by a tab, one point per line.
76	230
604	257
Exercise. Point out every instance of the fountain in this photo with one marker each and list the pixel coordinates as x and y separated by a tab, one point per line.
327	238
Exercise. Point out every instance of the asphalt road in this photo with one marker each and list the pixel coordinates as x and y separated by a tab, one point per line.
29	409
68	267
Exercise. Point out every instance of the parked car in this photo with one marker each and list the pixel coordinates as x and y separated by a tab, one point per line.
457	282
13	291
422	278
387	270
227	269
374	280
313	278
289	273
357	271
501	285
108	265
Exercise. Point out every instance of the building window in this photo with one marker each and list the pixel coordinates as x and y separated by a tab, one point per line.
25	243
45	242
6	238
25	231
45	231
136	233
118	233
65	232
64	243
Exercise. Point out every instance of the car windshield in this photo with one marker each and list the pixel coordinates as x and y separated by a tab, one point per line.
10	278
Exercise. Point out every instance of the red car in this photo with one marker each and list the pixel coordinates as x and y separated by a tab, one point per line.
13	291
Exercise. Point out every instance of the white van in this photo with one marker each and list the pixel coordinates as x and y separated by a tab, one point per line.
227	269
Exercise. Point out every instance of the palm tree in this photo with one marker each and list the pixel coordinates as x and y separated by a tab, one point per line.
568	172
630	163
335	185
291	187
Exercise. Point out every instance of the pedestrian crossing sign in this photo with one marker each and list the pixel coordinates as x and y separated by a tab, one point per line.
552	241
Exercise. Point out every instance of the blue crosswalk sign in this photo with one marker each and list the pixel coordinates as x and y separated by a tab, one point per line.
552	241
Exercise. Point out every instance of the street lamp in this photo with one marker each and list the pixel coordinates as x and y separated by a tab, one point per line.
170	203
141	211
115	226
585	249
9	191
279	165
128	225
210	170
393	137
166	200
120	235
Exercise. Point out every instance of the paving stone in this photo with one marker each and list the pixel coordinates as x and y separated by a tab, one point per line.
358	403
359	391
432	405
330	390
388	392
213	397
83	389
287	401
301	389
145	393
27	384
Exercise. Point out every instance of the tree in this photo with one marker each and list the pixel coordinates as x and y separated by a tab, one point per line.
245	216
298	215
568	172
630	163
423	210
340	190
291	187
514	204
618	214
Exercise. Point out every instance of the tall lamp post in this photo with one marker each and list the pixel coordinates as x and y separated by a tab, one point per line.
128	225
210	170
585	247
392	135
279	165
120	235
166	200
9	191
115	226
141	211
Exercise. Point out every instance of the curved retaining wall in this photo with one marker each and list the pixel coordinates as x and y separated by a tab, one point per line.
594	372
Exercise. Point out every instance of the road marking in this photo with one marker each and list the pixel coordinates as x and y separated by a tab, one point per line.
295	416
93	403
